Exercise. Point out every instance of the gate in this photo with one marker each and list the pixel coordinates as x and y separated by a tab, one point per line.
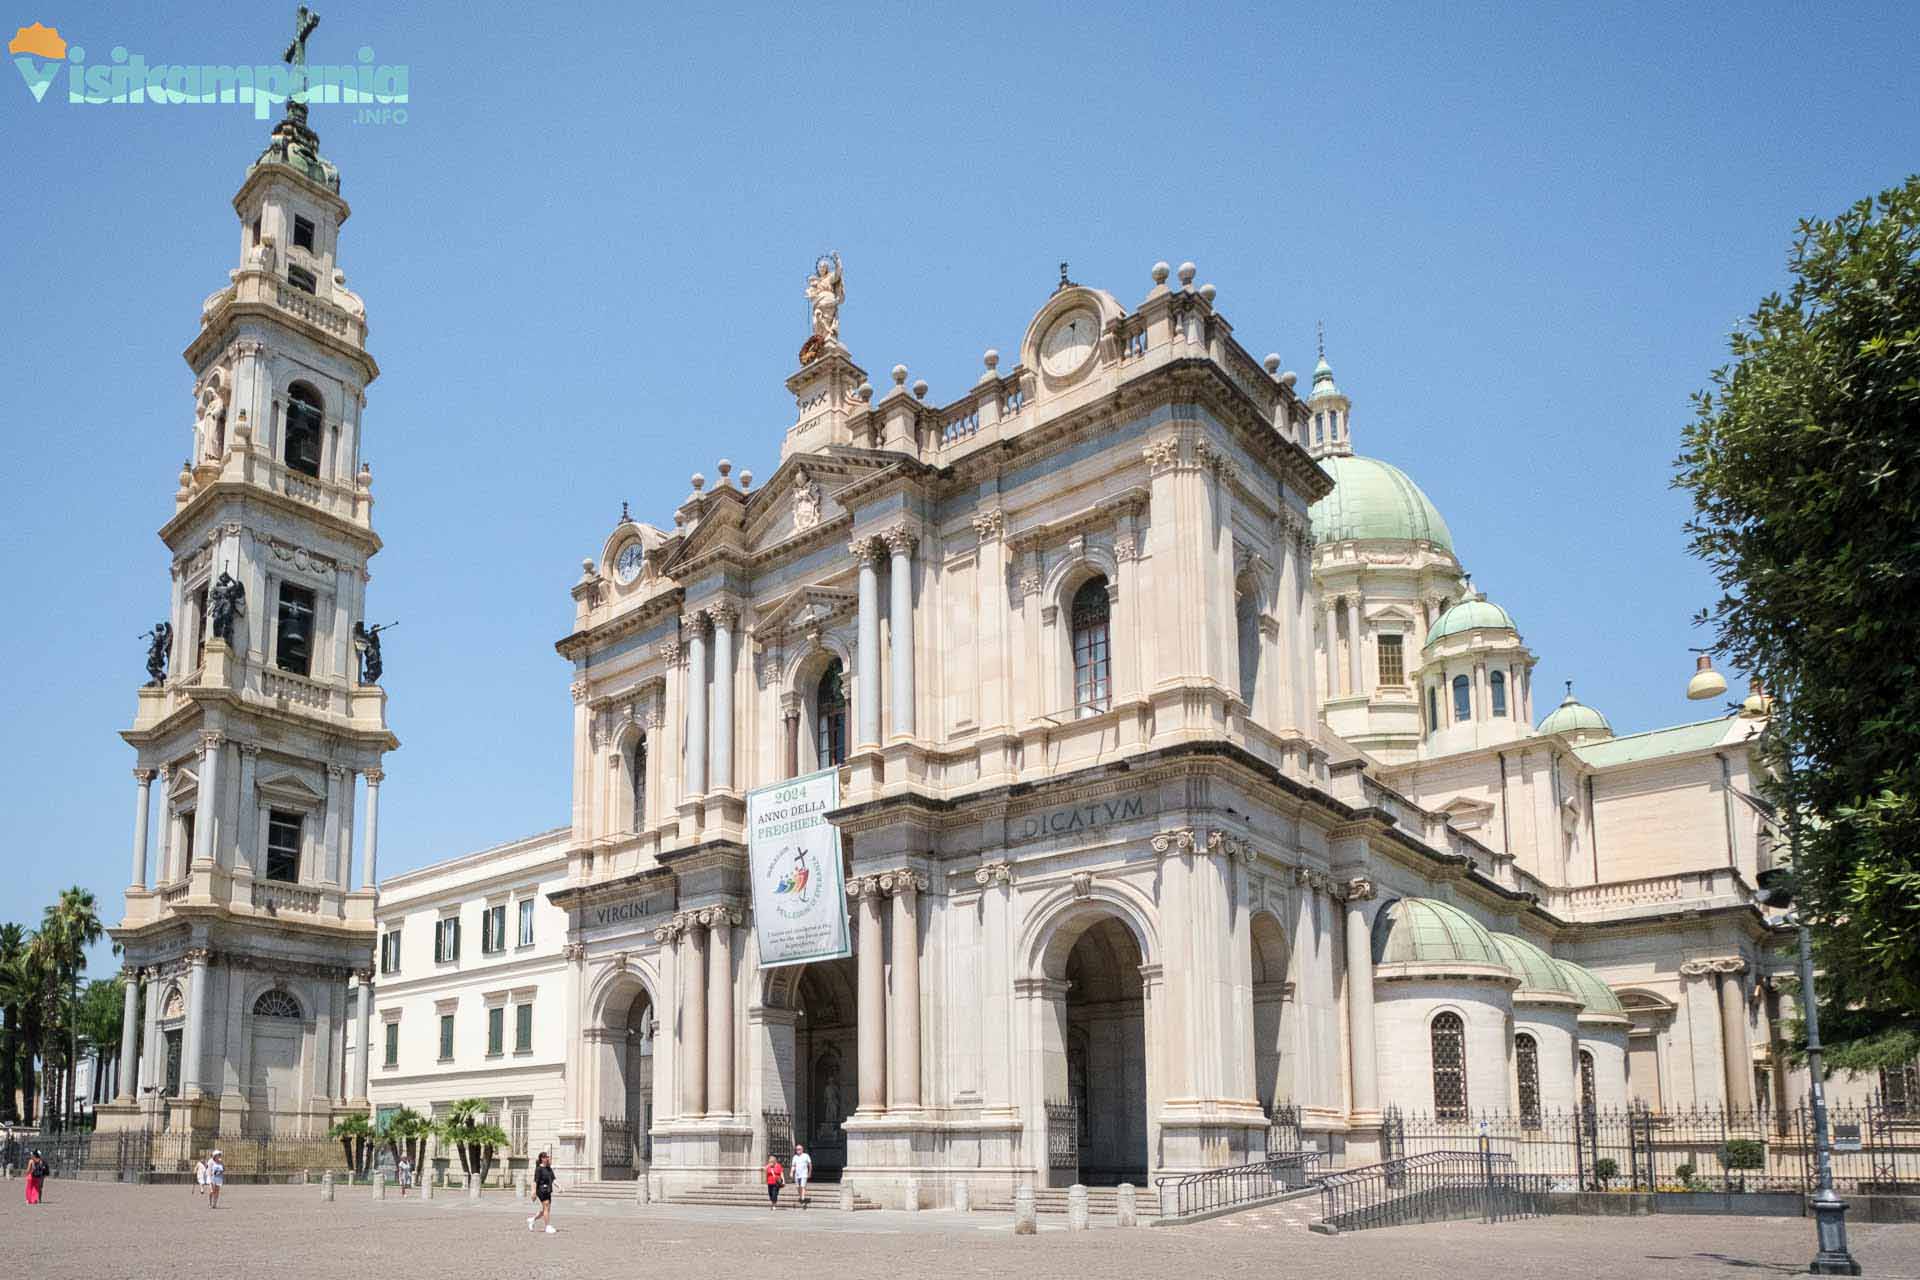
1063	1136
617	1149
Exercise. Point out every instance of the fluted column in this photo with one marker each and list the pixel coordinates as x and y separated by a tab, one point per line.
195	1034
1332	608
207	807
1355	627
143	803
904	1043
721	775
1733	1035
790	718
693	1020
129	1034
720	924
150	1062
1360	1031
867	660
872	997
900	622
363	1029
370	855
333	859
246	837
696	704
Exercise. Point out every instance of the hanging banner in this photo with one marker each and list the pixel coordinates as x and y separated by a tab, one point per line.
793	853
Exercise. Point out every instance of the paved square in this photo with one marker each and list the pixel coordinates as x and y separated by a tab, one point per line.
103	1231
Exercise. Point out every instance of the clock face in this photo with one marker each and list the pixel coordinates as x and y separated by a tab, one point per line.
627	565
1069	343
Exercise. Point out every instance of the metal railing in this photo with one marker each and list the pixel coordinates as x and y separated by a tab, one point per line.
1429	1188
1063	1135
1214	1190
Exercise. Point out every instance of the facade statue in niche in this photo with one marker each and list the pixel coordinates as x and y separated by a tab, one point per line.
825	292
211	427
225	605
806	501
161	642
831	1109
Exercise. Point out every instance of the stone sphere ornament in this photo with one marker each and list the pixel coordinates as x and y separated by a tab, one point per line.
1160	272
1187	272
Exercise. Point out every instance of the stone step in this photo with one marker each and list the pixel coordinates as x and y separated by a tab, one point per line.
1100	1200
745	1195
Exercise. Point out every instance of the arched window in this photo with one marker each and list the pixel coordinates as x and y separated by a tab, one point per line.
276	1004
1247	622
830	717
1449	1067
637	780
1092	659
1526	1070
1433	708
1587	1099
1462	699
305	412
1497	689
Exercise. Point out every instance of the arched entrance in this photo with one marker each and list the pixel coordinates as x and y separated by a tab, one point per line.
1272	1066
826	1056
626	1083
1106	1060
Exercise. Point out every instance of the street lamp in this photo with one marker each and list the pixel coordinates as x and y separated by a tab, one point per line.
1706	682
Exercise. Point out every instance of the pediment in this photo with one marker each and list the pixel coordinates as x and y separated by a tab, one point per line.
800	496
1463	814
804	609
183	782
1390	613
289	786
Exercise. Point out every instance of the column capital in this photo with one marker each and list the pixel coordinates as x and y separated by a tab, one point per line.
902	539
1358	889
694	624
717	917
337	771
999	871
573	952
902	883
1719	964
365	976
1177	840
210	739
865	887
375	777
143	776
989	524
197	955
249	750
867	547
579	690
722	614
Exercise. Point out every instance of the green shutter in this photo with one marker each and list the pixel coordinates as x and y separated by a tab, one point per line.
446	1035
523	1029
496	1030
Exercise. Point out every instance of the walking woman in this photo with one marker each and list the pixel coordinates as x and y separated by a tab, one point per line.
776	1178
36	1174
543	1192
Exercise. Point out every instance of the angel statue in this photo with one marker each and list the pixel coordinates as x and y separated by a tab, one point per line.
162	638
366	640
825	293
225	603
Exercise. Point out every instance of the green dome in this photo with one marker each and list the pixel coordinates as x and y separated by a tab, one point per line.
1539	973
1323	381
1372	499
1423	931
1593	993
1574	716
1476	614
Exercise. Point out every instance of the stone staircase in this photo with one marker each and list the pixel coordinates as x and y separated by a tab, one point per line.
753	1195
1101	1202
626	1191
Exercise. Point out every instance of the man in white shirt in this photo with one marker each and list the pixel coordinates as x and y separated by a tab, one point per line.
802	1171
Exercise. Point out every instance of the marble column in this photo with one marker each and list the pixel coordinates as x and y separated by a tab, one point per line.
246	835
1738	1058
363	1035
791	763
332	859
696	704
144	780
867	660
693	1020
723	617
150	1063
872	1000
129	1035
207	806
903	1047
1360	1029
370	855
1356	647
719	1011
900	622
194	1037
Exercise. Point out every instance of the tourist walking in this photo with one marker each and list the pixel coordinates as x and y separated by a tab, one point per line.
543	1192
802	1171
776	1178
200	1177
405	1171
36	1176
216	1178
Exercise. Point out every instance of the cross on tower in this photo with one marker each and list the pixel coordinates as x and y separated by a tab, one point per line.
1319	327
303	24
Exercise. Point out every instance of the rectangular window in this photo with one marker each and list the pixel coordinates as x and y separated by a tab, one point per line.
294	651
1462	700
302	233
283	846
186	841
446	1037
1393	661
496	1031
1497	688
517	1132
523	1028
393	1044
302	279
390	952
256	230
199	627
526	922
493	930
446	940
1433	709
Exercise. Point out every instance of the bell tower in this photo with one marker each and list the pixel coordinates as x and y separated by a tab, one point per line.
263	715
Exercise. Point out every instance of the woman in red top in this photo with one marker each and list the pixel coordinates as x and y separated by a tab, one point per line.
776	1178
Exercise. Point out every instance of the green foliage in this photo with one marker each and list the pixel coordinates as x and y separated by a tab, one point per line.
353	1125
1605	1170
1685	1173
1744	1153
1804	466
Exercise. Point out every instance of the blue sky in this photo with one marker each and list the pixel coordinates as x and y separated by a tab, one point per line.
1528	230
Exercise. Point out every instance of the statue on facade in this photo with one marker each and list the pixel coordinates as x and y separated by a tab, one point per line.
161	638
826	290
366	642
226	602
806	501
346	299
211	427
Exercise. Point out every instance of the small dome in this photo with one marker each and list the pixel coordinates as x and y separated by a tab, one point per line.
1323	381
1374	500
1423	931
1596	995
1540	974
1476	613
1575	716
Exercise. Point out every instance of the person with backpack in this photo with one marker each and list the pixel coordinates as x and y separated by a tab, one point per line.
36	1176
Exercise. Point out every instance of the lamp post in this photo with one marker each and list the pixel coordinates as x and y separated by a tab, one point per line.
1831	1257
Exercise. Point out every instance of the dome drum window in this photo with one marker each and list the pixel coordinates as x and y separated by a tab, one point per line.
1449	1037
276	1004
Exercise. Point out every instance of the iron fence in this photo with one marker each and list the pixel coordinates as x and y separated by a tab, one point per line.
128	1155
1430	1187
779	1126
1702	1148
1063	1135
1214	1190
1283	1128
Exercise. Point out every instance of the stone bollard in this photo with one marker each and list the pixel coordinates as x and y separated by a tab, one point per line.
913	1195
1026	1221
520	1185
326	1186
473	1186
963	1196
304	1177
846	1197
379	1186
1076	1208
643	1190
1129	1206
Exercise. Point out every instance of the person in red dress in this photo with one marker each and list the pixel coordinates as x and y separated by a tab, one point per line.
36	1175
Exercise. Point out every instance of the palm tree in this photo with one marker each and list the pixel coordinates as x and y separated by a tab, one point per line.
99	1013
356	1140
406	1132
459	1128
13	948
67	929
